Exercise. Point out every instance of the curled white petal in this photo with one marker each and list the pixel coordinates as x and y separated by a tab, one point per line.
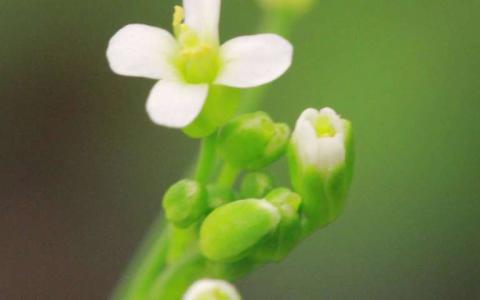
254	60
325	153
203	17
176	104
210	287
143	51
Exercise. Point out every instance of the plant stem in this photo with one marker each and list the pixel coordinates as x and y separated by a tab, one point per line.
206	159
228	176
149	260
176	278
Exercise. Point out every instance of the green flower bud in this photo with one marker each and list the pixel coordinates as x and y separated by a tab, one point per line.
253	141
232	230
287	234
221	104
255	185
321	161
185	202
211	289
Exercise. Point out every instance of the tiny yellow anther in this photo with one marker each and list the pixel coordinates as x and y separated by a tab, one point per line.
324	127
178	17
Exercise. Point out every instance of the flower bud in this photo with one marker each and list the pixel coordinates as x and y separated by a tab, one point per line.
321	161
211	289
232	230
253	141
287	234
185	202
255	185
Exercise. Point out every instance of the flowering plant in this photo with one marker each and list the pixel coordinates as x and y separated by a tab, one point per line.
229	217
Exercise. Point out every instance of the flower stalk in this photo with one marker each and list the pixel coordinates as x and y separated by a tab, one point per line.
206	159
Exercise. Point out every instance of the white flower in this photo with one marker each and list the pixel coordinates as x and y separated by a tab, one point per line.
211	289
319	138
188	63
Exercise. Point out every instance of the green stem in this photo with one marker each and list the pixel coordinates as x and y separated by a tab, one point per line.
228	176
206	159
149	260
175	279
280	21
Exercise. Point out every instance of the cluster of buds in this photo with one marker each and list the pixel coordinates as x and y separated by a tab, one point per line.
261	222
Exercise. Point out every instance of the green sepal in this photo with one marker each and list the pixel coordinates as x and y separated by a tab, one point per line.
185	202
255	185
232	230
279	244
221	104
253	141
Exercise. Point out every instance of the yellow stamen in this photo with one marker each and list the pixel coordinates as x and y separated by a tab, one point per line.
178	17
324	127
197	60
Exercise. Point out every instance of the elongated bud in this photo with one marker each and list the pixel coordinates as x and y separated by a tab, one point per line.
232	230
255	185
211	289
321	161
287	234
185	202
253	141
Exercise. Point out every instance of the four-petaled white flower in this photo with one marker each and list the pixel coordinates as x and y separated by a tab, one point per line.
188	63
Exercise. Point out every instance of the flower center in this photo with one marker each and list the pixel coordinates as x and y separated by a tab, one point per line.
324	127
198	60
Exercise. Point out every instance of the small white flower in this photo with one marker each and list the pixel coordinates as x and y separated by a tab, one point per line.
211	289
319	138
188	63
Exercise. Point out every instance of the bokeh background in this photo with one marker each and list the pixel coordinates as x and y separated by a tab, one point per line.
83	169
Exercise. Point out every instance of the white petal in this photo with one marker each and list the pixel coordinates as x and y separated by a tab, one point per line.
143	51
176	104
203	16
254	60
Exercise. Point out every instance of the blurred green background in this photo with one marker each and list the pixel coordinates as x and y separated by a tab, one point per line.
83	169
